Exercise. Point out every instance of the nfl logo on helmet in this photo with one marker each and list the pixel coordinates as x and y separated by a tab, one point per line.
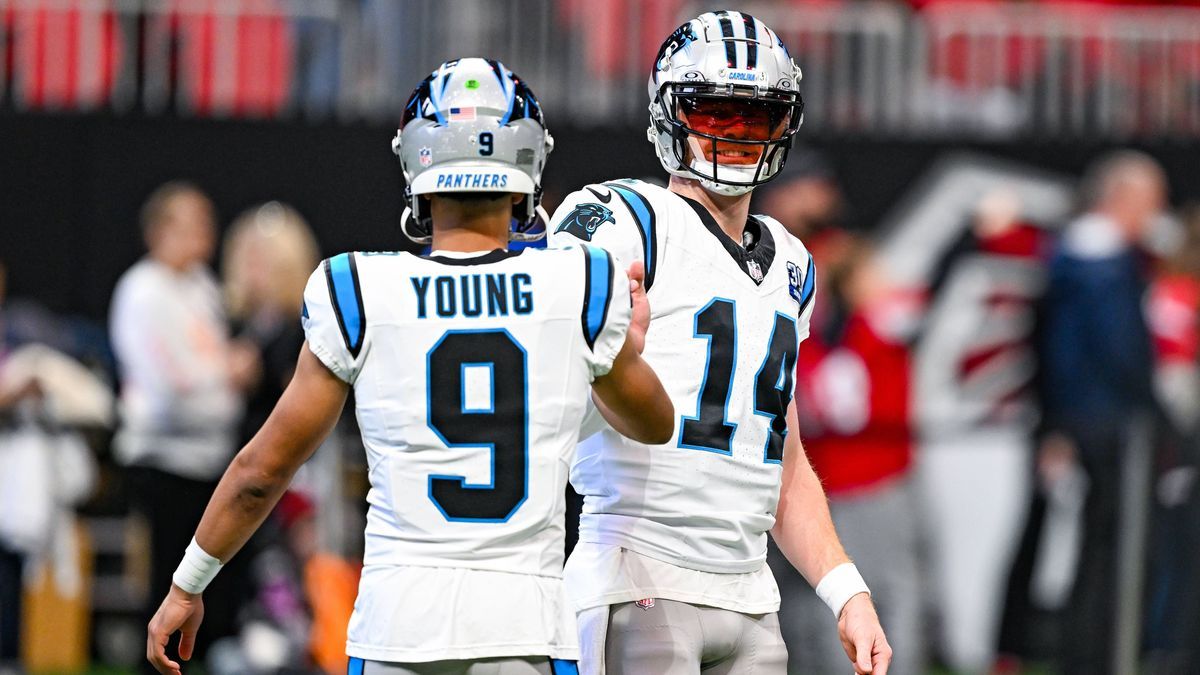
425	156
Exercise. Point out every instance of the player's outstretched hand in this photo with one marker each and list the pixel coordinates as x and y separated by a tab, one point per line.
641	306
180	611
862	637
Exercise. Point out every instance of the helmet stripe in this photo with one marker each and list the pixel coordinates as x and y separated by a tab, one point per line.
727	33
752	44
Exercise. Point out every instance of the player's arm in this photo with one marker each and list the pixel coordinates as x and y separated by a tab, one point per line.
633	400
250	488
805	534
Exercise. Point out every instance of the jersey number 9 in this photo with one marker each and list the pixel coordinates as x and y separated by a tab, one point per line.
503	427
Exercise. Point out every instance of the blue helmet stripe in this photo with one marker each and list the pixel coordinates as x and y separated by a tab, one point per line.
597	275
752	41
727	33
341	273
644	215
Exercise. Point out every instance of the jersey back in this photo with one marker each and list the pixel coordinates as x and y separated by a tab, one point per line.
725	326
470	377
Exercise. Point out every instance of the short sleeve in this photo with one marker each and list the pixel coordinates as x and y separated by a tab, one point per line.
617	217
333	318
804	290
606	311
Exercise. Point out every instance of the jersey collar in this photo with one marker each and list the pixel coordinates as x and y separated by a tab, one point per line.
754	263
458	258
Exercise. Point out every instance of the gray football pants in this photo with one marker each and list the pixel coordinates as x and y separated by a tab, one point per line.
531	665
677	638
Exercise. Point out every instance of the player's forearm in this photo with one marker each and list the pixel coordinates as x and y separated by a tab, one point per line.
803	528
632	399
245	496
261	472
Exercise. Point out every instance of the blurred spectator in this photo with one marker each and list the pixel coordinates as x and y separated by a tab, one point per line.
268	254
973	376
853	404
1098	366
178	403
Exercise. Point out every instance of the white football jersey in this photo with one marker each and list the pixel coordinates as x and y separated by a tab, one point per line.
724	331
471	374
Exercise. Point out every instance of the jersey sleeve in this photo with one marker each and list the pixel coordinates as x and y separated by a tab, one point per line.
617	216
805	291
606	310
333	318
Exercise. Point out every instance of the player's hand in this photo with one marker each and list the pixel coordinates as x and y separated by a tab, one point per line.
862	637
180	611
641	306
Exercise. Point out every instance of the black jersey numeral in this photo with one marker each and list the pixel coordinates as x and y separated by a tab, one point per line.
503	426
710	429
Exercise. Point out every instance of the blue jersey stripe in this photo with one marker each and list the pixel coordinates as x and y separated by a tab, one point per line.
810	277
356	666
341	271
644	215
597	274
563	667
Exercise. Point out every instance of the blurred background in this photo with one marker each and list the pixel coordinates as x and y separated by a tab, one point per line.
1001	391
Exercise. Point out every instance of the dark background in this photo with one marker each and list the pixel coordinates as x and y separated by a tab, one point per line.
72	185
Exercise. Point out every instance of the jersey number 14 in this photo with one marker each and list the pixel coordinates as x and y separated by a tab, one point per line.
710	429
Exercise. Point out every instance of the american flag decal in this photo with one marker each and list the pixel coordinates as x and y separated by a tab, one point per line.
462	115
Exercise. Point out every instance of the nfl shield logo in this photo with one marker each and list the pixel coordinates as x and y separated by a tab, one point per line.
755	271
426	156
645	603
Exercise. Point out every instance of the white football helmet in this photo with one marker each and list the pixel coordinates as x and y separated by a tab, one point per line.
472	126
724	102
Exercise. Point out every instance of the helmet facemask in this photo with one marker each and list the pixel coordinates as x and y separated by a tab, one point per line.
732	137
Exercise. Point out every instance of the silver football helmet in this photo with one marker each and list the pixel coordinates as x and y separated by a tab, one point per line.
472	126
724	102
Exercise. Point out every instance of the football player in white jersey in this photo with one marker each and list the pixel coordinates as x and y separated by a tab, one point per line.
471	369
669	574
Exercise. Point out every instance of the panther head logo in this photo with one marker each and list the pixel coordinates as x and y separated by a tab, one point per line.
585	219
683	36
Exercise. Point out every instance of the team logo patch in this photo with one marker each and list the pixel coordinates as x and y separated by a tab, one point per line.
795	282
585	220
425	155
645	603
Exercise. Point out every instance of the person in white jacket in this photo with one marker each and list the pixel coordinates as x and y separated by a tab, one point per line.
179	404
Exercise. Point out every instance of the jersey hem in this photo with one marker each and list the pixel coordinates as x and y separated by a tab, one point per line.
406	655
617	597
746	567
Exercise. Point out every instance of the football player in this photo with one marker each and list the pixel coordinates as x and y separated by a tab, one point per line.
669	575
471	369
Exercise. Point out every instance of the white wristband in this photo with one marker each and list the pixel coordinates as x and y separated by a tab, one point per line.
196	569
839	585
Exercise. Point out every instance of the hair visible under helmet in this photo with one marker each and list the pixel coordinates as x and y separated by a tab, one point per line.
472	126
732	57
